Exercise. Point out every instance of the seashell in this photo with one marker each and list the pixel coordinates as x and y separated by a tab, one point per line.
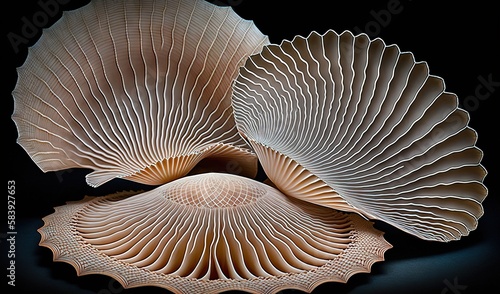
135	89
210	233
357	125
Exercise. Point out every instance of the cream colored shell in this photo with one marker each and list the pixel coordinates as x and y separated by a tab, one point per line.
210	233
135	89
357	125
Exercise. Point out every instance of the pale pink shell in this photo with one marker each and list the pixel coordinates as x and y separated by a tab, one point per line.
357	125
135	89
210	233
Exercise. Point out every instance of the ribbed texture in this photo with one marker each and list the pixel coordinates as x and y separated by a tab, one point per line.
371	123
118	86
211	233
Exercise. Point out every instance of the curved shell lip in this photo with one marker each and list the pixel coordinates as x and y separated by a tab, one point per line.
248	21
316	33
205	153
367	215
75	10
118	277
58	257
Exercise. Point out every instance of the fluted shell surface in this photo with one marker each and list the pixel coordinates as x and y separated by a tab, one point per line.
135	89
210	233
357	125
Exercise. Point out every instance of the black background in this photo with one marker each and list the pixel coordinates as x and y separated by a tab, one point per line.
460	42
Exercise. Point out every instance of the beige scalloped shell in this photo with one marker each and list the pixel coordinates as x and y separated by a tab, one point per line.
210	233
135	89
357	125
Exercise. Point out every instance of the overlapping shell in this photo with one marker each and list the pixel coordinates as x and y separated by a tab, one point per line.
357	125
142	90
209	233
135	89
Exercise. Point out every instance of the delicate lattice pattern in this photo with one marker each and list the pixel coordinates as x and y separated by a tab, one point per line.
368	121
214	191
257	240
127	87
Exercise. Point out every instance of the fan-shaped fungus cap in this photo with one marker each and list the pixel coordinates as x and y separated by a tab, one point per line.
210	233
357	125
135	89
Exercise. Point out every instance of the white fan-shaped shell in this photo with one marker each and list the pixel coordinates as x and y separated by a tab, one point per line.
210	233
354	124
135	89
